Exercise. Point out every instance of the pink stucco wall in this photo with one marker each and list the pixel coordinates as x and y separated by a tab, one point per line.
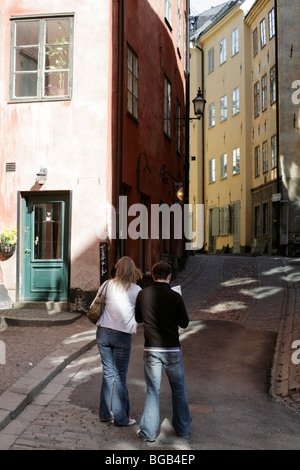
72	139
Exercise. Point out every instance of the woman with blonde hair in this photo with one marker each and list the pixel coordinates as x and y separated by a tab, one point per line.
115	327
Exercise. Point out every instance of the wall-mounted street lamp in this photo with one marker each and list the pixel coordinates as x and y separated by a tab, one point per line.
42	176
199	105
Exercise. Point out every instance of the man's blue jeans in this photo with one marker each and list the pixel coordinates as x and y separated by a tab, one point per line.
114	347
173	365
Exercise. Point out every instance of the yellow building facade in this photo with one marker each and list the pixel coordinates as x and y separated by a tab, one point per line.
220	144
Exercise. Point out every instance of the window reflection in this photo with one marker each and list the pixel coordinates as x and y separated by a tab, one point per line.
47	231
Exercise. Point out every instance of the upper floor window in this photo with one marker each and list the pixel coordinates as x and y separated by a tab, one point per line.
212	170
132	83
235	41
211	115
273	84
257	161
255	42
211	60
271	23
273	151
235	161
222	51
264	96
223	166
235	101
223	108
168	12
167	107
41	58
256	99
179	26
265	156
263	36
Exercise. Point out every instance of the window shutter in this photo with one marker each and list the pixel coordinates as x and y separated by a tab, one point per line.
215	229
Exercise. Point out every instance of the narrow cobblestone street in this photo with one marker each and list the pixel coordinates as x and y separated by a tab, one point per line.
237	361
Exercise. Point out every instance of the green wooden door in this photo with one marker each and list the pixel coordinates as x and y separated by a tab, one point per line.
45	236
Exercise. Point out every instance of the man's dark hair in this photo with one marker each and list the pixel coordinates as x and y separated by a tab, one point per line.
161	270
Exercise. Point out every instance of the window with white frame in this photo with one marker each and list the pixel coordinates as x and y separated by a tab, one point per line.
263	35
265	156
271	23
257	161
132	83
211	170
273	84
222	58
223	166
264	94
211	60
41	58
235	41
236	161
256	100
255	42
167	107
235	101
223	108
168	11
273	151
211	115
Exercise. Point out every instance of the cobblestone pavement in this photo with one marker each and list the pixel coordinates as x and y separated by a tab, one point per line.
253	299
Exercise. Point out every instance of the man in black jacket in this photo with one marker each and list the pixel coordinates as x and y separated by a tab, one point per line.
162	311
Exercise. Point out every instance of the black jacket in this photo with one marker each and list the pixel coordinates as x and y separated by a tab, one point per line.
162	311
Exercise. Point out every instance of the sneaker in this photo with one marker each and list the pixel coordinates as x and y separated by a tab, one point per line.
143	436
130	423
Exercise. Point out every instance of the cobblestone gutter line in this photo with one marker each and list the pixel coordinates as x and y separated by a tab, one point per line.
285	375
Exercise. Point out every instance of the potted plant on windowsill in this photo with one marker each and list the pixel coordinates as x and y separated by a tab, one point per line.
8	241
58	60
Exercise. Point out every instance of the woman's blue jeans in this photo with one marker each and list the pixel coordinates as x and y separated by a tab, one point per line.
173	365
114	348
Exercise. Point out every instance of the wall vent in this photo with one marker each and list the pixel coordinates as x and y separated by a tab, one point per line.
10	166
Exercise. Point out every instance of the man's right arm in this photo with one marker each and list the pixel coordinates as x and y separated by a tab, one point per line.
182	316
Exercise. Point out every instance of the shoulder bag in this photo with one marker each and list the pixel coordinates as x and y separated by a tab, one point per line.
97	308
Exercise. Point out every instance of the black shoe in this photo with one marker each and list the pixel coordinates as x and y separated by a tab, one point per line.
104	420
142	436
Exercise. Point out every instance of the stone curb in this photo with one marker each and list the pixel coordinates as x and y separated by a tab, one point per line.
21	393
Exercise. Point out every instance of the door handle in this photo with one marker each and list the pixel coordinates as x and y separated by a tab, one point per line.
27	251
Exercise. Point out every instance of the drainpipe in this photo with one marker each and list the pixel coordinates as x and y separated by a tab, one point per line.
202	119
119	247
187	112
277	122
